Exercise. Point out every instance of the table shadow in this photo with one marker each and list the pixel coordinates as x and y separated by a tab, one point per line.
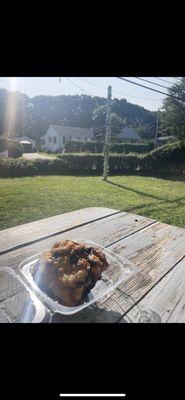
84	316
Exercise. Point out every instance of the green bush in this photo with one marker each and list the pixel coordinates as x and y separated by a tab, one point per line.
3	144
165	156
95	147
79	147
15	149
131	147
93	163
18	168
167	160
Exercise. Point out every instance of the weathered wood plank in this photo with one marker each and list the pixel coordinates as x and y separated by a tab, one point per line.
25	233
104	231
154	250
166	299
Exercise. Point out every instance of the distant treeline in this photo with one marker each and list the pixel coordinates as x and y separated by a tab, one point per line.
22	115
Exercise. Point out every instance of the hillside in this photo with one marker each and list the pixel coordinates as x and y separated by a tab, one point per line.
20	114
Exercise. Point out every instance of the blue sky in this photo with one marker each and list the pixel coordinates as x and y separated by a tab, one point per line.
93	86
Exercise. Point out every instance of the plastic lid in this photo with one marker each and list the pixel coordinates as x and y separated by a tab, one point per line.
117	272
17	303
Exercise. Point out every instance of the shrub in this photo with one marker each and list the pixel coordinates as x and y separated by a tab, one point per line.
93	163
3	144
131	147
15	149
78	147
168	159
18	168
95	147
165	156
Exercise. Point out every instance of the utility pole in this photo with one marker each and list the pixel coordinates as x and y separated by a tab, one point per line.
156	131
107	135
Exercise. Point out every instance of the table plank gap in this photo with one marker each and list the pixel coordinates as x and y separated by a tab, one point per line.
155	250
166	300
5	233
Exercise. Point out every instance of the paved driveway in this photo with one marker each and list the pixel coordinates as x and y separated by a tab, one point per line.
34	156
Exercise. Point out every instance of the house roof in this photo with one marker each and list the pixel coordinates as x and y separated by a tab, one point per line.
72	131
165	137
25	142
128	133
24	138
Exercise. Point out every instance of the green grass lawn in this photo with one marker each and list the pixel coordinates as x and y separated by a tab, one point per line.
28	199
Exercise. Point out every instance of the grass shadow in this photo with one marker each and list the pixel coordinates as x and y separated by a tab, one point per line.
144	193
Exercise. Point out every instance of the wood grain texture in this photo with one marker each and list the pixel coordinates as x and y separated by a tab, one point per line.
104	231
35	230
154	251
166	300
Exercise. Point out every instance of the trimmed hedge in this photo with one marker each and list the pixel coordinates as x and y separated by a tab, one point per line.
79	147
168	159
95	147
164	156
3	144
15	149
18	168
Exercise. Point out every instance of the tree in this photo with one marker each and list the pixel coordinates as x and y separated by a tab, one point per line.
173	111
33	115
99	118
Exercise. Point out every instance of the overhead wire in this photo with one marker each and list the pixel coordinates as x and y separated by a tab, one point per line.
152	89
164	80
152	83
116	91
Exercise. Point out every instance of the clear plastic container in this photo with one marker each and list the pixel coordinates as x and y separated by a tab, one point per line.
115	274
17	303
21	300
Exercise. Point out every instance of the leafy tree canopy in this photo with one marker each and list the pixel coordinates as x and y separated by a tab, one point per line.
173	112
22	115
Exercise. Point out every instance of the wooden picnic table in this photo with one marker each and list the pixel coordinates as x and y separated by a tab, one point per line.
157	250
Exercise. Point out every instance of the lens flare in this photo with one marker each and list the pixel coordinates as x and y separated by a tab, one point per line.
14	115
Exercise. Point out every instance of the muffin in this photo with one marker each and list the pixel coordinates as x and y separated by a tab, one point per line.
68	271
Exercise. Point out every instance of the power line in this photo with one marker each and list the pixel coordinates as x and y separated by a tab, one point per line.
153	83
78	86
115	91
154	90
164	80
97	105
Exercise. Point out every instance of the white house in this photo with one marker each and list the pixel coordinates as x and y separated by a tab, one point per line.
57	135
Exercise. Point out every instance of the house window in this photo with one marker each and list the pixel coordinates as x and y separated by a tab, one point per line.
50	139
54	139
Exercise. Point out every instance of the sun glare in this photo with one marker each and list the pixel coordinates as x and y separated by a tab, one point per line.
10	113
13	84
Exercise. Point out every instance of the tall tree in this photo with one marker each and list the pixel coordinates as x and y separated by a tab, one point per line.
32	116
173	111
117	122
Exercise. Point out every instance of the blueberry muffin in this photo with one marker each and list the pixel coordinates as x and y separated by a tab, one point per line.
69	271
